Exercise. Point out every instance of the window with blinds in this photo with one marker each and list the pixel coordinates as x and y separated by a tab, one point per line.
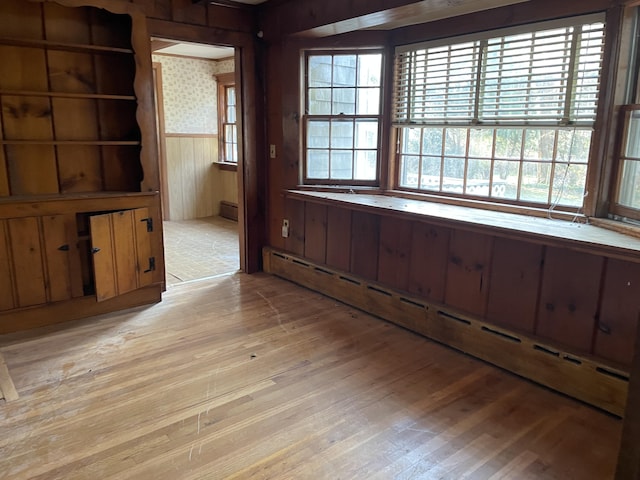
506	116
547	76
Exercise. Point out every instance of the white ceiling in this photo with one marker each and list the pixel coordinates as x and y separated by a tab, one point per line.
197	50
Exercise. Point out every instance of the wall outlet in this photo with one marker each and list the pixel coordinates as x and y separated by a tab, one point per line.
272	151
285	228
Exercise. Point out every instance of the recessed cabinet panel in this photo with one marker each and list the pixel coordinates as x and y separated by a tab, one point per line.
395	252
569	297
120	249
28	69
427	271
6	275
468	271
620	313
315	232
515	281
62	257
27	254
32	169
339	238
20	19
66	25
365	244
71	72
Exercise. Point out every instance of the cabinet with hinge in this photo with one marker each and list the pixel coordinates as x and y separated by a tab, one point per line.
79	183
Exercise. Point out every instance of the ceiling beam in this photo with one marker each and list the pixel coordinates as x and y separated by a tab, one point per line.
313	18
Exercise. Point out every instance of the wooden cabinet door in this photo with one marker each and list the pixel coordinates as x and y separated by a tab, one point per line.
26	254
6	274
62	259
121	252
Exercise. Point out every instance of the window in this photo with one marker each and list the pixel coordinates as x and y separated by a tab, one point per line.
342	120
507	116
227	128
628	195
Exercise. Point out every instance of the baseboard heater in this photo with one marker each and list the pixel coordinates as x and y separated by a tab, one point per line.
581	377
229	210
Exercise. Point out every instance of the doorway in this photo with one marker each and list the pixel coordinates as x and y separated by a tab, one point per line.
199	177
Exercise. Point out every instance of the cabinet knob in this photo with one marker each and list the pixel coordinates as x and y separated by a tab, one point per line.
63	248
95	250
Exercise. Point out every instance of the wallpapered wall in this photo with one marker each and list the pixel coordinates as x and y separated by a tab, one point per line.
190	93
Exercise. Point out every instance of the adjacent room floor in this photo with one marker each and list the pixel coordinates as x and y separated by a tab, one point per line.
200	248
252	377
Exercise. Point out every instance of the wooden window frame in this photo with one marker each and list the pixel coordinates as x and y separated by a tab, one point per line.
225	81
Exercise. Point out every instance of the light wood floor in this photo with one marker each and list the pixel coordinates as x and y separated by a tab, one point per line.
251	377
200	248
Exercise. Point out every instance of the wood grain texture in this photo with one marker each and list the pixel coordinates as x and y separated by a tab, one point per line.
7	301
620	312
394	255
7	388
249	376
339	238
103	257
365	245
515	283
569	302
315	232
294	212
27	259
468	271
428	266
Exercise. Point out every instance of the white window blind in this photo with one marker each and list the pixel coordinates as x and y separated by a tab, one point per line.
548	75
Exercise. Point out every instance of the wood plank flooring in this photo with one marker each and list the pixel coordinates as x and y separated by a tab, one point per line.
252	377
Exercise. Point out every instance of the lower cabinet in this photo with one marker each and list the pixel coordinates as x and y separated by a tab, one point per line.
89	254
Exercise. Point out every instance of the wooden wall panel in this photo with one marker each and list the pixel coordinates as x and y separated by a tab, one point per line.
20	19
516	270
339	238
395	252
121	170
124	245
71	72
193	188
294	212
569	297
32	169
428	266
26	253
67	25
28	68
26	118
59	275
365	244
203	173
315	232
79	168
620	312
6	275
103	256
4	172
468	271
75	118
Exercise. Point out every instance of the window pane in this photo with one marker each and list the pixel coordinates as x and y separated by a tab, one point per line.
632	148
368	101
453	174
410	140
317	134
574	145
508	143
319	71
344	71
538	144
432	141
231	96
409	171
505	179
366	134
535	182
630	184
455	141
344	101
341	134
430	179
481	143
365	166
319	101
341	164
568	185
369	69
478	177
318	164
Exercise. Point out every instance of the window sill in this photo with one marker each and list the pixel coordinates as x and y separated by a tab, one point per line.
227	166
577	236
